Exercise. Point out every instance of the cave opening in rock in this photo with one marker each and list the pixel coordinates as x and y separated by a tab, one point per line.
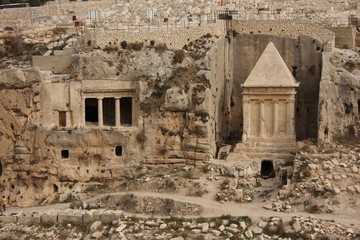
91	110
56	188
267	169
126	110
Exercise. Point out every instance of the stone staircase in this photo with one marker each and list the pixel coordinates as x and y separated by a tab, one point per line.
269	151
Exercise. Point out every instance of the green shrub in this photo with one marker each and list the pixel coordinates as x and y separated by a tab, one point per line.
160	47
123	44
59	30
137	46
208	35
178	56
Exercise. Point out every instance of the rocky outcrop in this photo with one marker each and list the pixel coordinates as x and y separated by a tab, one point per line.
338	99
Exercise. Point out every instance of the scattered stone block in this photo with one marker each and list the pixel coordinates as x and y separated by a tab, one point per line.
232	230
29	219
177	238
216	233
95	226
97	234
255	229
357	188
61	217
75	218
296	225
107	217
87	217
121	228
48	218
8	219
205	227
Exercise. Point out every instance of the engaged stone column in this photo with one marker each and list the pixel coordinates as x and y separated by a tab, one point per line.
100	112
83	113
290	117
276	118
262	119
247	120
133	112
117	112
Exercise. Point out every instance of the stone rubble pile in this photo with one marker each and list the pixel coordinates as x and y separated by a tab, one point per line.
323	172
224	227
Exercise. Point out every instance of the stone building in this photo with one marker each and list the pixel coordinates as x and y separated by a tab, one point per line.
269	102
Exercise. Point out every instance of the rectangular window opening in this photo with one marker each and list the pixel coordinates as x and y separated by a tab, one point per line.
62	118
118	150
109	111
64	153
91	110
126	111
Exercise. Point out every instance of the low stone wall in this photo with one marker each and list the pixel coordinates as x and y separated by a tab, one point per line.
288	28
344	36
75	217
173	39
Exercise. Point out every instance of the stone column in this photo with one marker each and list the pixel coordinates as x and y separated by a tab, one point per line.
133	112
68	118
246	120
290	117
117	112
83	121
262	119
276	118
100	112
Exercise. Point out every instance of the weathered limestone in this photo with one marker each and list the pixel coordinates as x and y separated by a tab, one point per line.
268	102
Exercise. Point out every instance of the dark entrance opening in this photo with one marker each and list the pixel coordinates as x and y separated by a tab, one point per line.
109	111
56	188
118	150
64	153
126	110
62	118
267	169
283	177
91	110
294	69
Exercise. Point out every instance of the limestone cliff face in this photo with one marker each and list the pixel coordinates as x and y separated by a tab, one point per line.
43	160
338	100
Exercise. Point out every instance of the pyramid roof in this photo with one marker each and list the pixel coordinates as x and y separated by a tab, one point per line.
270	71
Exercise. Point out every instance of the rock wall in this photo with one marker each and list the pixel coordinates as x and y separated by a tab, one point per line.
173	121
338	101
302	55
174	39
